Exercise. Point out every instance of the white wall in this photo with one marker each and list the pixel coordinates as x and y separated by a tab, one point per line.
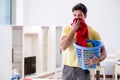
5	52
54	12
103	15
19	11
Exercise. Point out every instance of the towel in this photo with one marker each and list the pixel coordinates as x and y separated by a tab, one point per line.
81	33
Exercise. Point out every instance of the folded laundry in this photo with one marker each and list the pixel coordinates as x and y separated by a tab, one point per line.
89	44
94	43
15	75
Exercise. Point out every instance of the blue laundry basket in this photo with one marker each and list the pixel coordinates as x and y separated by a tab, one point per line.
87	52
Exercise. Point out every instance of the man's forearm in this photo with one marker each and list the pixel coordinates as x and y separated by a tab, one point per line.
103	54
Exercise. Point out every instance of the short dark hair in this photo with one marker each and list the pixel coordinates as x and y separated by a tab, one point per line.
81	7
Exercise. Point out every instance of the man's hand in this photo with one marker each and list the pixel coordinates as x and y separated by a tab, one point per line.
75	25
91	61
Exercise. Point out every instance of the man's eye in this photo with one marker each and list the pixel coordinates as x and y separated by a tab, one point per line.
74	15
80	15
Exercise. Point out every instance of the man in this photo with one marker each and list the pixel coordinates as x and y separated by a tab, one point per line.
71	69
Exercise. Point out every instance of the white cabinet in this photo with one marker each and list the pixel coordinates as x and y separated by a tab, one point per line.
17	48
39	42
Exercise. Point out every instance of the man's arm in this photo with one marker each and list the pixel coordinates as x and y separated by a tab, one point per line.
103	53
66	40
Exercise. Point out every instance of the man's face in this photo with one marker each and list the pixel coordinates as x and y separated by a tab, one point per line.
78	14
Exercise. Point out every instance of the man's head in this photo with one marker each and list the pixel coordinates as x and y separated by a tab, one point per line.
79	11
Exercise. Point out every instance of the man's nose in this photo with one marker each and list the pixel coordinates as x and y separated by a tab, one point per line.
77	16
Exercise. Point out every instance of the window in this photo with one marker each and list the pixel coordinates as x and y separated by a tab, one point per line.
5	12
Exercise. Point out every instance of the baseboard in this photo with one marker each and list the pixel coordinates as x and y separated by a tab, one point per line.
109	76
46	75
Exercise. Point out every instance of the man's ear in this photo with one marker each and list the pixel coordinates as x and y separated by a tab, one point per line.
85	15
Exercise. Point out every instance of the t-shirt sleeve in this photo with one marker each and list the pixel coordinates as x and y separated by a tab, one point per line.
65	31
93	34
96	36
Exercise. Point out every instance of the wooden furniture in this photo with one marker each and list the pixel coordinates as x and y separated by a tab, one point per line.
117	65
97	70
117	71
